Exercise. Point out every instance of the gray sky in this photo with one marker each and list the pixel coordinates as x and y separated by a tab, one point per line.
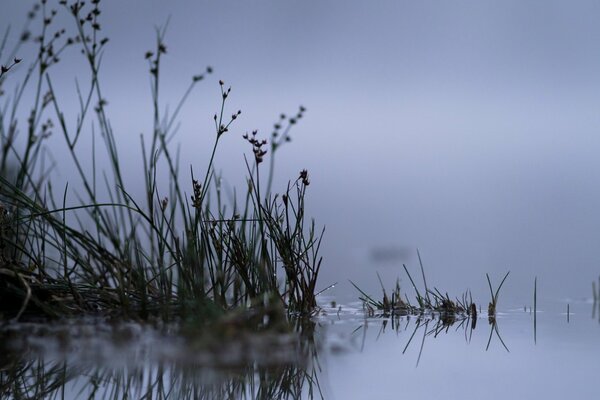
469	129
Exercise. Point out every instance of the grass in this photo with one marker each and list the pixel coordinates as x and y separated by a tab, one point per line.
432	307
432	324
535	310
431	302
494	294
176	252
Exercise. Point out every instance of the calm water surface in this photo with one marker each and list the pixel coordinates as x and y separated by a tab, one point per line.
454	363
342	354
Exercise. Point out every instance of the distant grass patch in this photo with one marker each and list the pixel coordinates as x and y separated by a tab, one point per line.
428	301
432	305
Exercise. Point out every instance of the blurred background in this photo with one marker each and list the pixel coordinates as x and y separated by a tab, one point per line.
467	129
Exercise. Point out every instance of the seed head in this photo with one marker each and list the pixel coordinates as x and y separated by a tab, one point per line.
197	196
304	177
257	145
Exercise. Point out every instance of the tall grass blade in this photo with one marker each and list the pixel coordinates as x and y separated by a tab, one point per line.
535	310
423	274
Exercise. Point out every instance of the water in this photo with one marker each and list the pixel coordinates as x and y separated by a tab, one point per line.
454	363
341	354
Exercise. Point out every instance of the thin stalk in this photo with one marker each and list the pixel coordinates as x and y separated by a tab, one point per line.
535	310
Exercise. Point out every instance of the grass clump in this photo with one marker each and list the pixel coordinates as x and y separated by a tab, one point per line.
432	307
183	251
431	301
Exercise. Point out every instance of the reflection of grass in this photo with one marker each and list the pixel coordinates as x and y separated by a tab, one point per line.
287	370
431	325
182	249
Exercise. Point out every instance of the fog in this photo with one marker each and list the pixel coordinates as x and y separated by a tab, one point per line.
466	129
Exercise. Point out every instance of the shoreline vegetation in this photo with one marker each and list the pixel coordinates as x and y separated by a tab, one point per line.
181	253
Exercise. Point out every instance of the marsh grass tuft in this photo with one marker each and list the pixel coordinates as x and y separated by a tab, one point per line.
180	251
433	301
433	305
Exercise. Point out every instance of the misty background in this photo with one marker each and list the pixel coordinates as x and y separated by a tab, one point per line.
467	129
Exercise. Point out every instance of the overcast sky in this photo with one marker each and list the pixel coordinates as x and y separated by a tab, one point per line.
468	129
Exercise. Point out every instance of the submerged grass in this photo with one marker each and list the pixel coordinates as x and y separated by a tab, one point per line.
181	251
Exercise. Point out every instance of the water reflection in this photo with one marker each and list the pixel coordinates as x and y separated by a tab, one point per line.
321	358
429	325
98	360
